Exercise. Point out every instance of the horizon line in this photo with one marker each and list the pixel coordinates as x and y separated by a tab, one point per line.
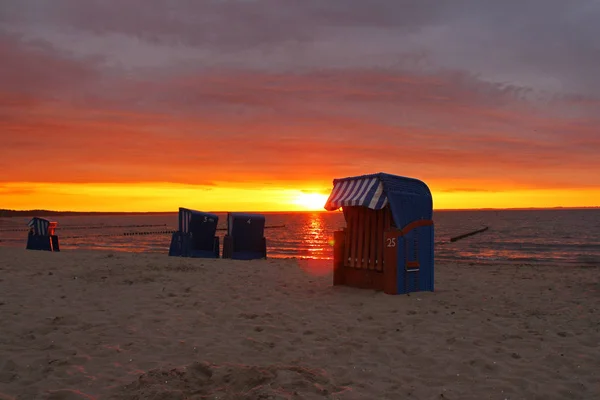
2	211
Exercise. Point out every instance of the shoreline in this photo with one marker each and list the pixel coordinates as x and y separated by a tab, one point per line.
591	263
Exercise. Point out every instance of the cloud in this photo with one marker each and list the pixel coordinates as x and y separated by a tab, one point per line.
8	190
463	190
293	143
264	91
32	70
542	44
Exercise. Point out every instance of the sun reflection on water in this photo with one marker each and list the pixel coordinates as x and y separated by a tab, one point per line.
315	237
316	242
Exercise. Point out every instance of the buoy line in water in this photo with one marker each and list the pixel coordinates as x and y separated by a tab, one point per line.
85	227
144	233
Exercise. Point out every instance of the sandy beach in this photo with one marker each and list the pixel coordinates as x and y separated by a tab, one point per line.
124	326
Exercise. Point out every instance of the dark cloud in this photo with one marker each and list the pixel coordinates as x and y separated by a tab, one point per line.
282	90
544	44
36	69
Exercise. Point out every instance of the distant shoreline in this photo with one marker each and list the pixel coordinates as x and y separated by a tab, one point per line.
47	213
4	213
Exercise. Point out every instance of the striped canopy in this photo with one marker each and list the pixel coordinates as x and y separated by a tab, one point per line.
364	191
408	198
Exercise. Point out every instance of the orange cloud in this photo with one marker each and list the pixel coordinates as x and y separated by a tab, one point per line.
74	136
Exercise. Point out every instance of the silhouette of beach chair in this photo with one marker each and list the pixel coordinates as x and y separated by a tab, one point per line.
245	239
388	241
42	235
196	235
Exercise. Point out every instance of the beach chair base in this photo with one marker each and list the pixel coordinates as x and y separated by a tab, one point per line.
42	242
181	246
398	271
229	250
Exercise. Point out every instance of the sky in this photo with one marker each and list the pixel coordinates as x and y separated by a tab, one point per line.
257	105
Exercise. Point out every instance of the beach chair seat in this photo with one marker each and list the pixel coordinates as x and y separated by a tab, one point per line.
196	236
42	235
245	238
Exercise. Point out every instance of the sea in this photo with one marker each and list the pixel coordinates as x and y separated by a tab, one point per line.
552	236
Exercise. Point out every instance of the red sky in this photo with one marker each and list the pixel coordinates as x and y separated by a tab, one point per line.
252	105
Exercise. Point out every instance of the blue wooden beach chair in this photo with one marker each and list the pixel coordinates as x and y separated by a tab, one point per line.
388	240
42	235
245	239
196	236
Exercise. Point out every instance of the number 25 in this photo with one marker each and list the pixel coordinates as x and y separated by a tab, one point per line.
391	242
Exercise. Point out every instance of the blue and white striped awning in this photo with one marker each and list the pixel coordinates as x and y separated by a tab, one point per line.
39	225
364	191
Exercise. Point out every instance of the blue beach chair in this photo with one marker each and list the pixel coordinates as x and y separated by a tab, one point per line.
42	235
245	239
196	236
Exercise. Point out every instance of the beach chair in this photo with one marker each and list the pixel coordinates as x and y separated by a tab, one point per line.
42	235
245	237
387	243
196	236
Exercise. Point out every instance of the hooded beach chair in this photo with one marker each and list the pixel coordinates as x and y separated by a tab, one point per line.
387	243
42	235
196	235
245	239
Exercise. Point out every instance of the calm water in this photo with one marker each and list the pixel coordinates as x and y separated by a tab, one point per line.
552	236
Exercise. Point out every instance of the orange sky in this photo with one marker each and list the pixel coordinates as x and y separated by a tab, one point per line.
105	118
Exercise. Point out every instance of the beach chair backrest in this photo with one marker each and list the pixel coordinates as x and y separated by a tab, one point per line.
364	236
39	226
203	227
247	229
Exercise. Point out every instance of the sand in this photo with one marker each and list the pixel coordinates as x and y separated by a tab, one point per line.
99	325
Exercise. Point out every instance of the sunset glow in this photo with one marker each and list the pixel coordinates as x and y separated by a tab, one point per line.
168	197
311	201
144	113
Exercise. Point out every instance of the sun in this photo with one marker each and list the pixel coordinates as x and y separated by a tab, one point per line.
311	201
